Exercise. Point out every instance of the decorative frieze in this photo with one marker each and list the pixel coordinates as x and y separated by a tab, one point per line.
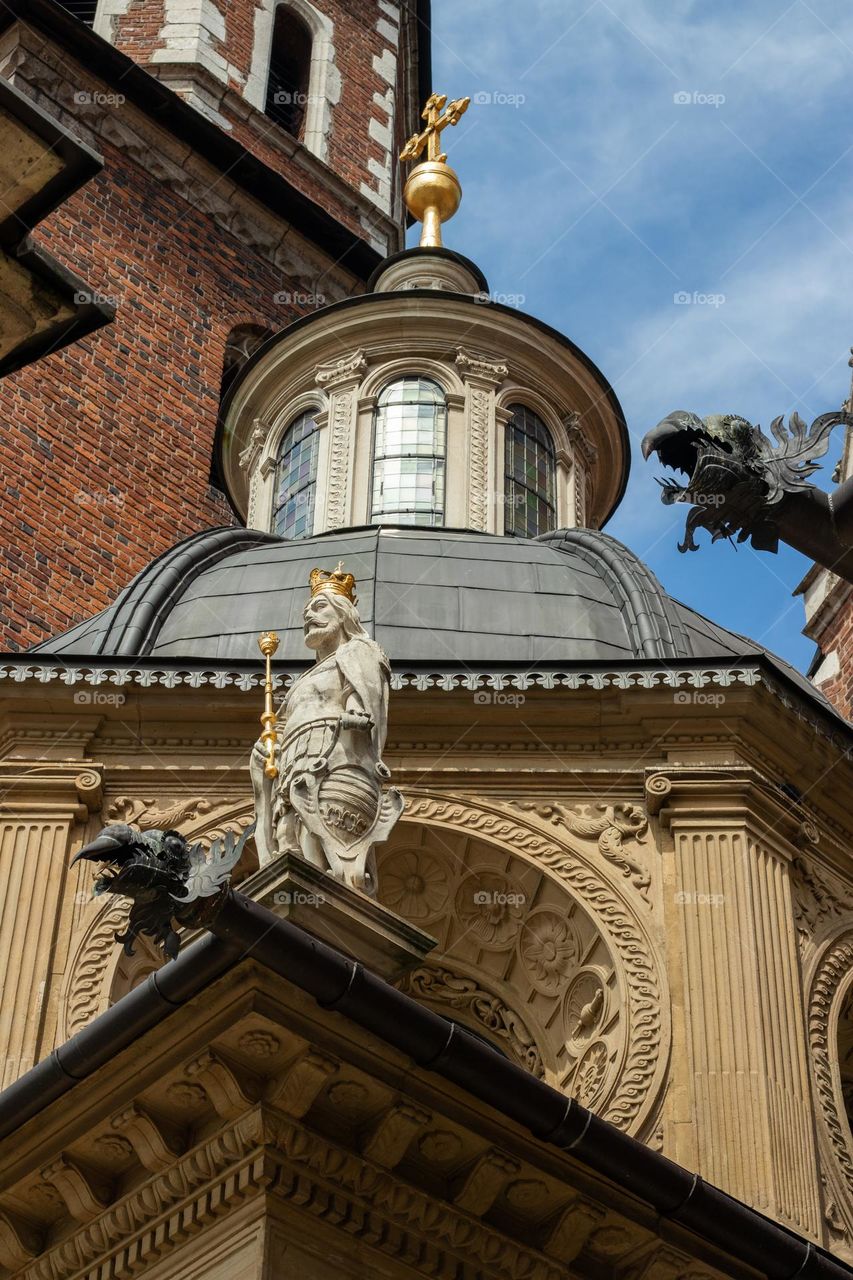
611	825
452	992
340	380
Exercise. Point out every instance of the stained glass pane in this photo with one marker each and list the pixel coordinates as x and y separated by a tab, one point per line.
529	489
409	453
296	479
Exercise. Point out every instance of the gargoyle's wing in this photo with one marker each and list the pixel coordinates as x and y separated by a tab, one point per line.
787	466
210	870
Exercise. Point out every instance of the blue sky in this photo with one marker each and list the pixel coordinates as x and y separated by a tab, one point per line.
593	189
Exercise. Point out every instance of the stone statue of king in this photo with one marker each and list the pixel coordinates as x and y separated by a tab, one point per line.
327	803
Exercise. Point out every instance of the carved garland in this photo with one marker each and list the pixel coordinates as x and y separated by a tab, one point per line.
85	993
339	458
636	1085
835	966
611	825
443	987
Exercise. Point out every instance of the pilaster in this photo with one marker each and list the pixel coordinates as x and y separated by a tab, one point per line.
40	803
481	377
740	1105
340	379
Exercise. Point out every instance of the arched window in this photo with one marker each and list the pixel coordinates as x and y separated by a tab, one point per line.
290	72
529	488
409	453
296	478
82	9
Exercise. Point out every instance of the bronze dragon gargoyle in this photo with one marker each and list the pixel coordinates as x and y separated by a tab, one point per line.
741	485
167	880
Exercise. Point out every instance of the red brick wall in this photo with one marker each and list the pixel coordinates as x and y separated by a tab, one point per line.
356	42
106	446
838	637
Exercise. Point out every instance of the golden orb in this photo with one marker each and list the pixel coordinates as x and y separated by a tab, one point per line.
432	193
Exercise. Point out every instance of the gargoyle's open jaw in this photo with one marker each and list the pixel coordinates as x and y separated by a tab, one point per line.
679	453
679	445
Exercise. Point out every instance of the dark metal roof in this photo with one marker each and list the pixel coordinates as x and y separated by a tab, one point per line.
453	599
244	928
576	595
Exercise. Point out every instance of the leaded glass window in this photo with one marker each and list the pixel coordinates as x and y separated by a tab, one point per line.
296	478
409	453
530	504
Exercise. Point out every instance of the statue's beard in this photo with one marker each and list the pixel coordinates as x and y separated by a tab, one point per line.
319	633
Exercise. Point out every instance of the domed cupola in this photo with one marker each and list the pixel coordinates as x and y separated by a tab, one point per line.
427	401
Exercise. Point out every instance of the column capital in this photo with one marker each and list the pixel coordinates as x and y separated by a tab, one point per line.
724	797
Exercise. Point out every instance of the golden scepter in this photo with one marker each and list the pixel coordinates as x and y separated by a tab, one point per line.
268	643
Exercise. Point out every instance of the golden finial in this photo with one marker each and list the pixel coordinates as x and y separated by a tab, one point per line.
433	191
338	582
268	643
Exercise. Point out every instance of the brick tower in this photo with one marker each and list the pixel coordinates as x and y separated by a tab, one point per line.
249	178
828	601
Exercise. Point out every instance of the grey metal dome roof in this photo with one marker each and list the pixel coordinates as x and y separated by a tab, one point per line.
572	596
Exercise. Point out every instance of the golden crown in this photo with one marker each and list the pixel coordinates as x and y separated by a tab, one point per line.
338	582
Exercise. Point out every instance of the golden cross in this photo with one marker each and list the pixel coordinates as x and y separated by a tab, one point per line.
436	122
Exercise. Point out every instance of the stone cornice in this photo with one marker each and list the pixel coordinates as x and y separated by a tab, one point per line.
292	232
384	1172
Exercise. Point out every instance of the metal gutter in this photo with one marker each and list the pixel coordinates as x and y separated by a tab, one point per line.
243	928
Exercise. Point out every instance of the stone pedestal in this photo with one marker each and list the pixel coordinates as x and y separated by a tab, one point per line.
348	920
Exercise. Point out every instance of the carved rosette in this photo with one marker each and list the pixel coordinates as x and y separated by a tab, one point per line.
577	968
415	885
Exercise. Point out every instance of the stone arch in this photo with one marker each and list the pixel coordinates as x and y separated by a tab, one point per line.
413	365
829	994
241	343
608	1042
